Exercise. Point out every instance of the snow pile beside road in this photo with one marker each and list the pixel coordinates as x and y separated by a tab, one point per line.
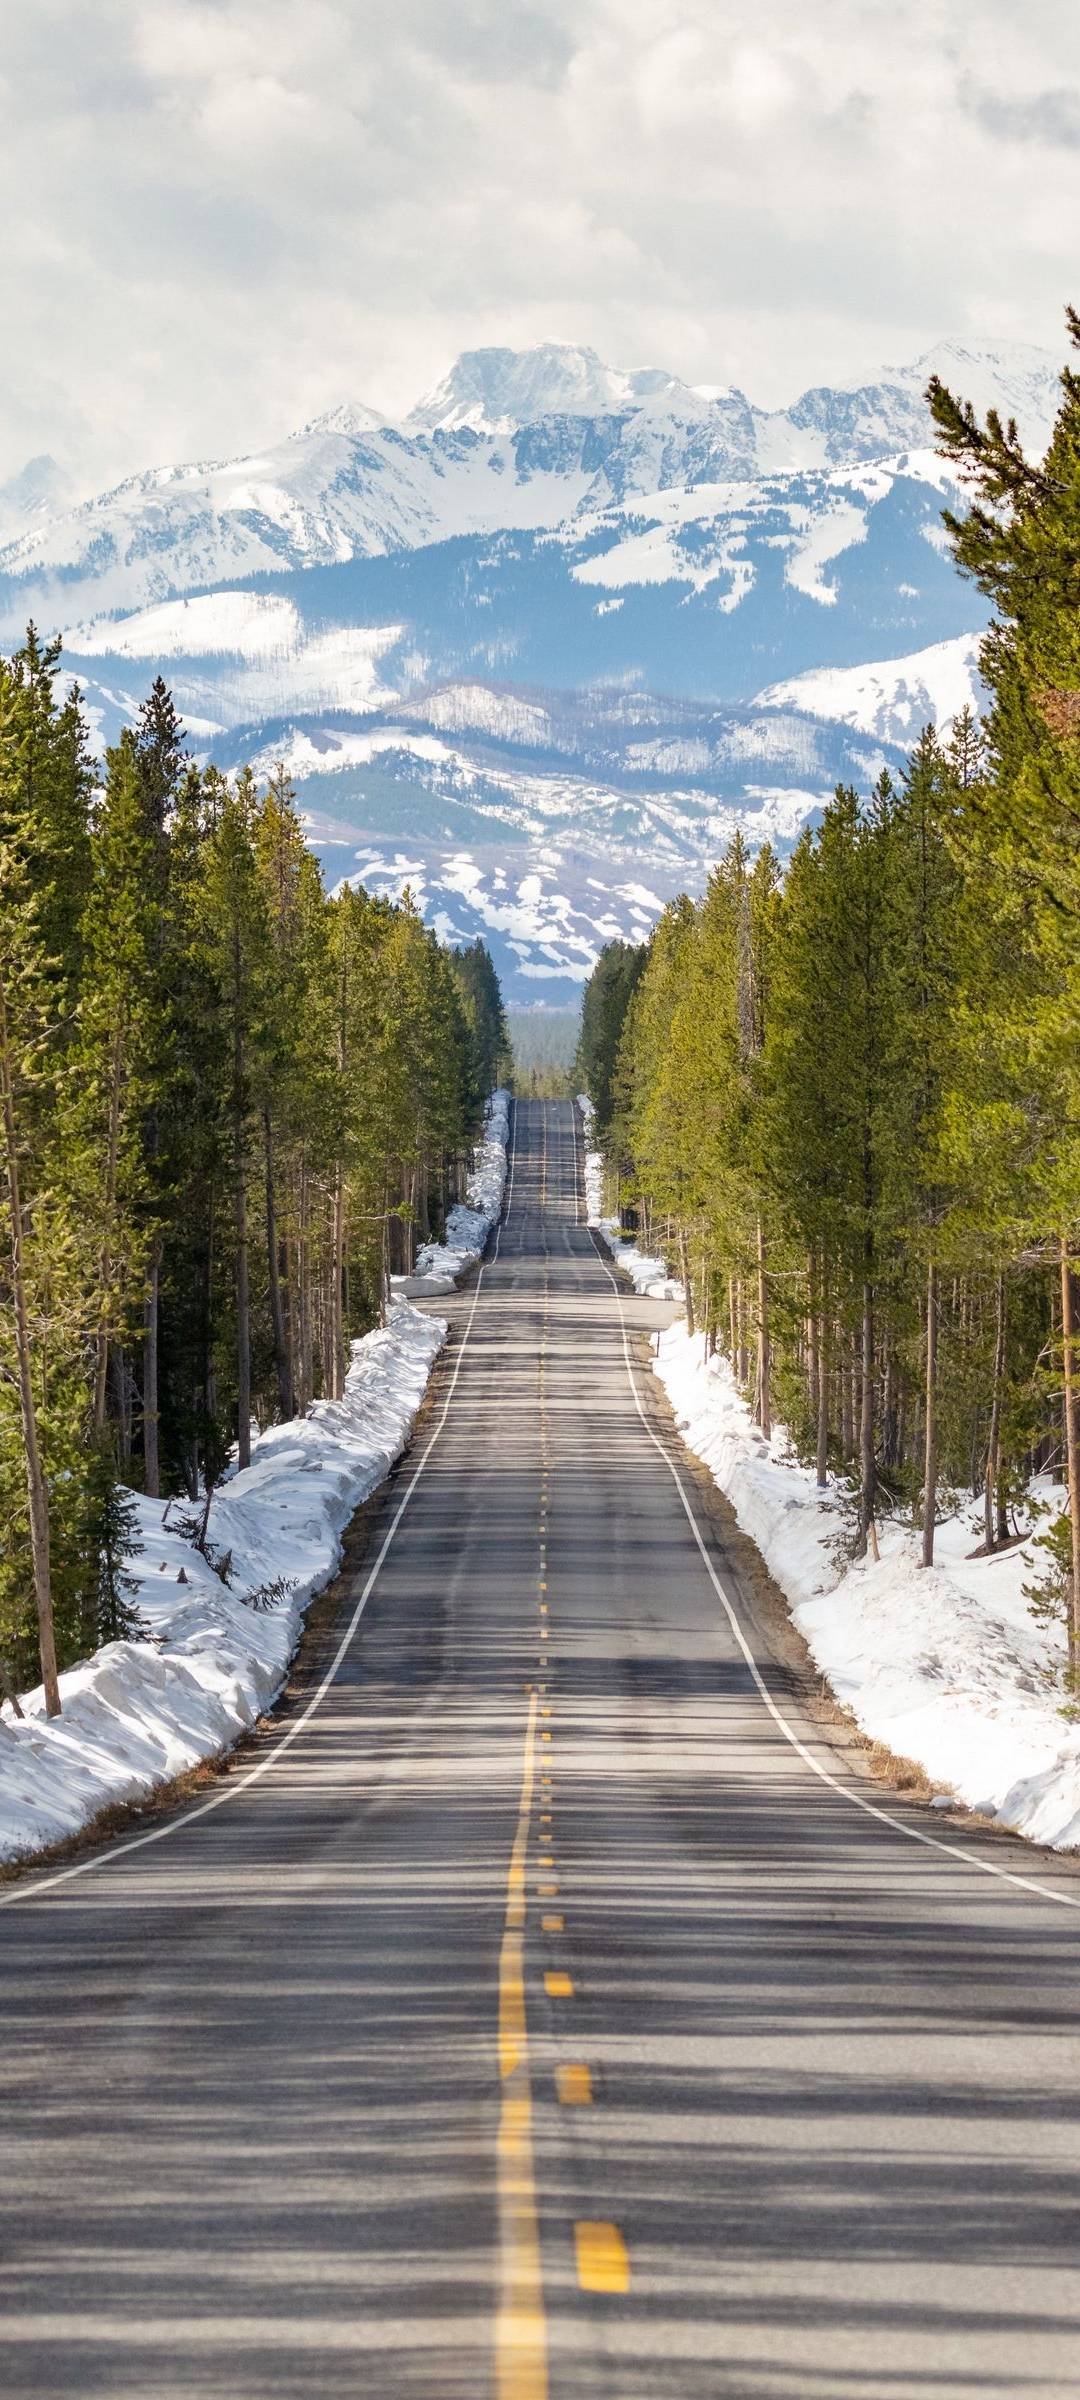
469	1224
946	1665
137	1714
647	1274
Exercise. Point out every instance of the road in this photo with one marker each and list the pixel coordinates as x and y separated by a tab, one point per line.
528	2015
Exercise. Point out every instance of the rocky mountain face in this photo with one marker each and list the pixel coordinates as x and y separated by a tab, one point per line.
532	622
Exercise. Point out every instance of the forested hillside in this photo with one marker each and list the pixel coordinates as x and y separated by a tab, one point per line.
231	1105
846	1097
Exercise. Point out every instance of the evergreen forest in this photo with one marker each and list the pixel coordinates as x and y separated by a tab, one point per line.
232	1105
845	1098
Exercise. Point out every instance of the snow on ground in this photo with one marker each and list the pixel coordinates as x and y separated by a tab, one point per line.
469	1224
946	1665
137	1714
647	1274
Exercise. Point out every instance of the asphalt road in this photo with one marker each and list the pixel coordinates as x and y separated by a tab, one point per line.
540	2019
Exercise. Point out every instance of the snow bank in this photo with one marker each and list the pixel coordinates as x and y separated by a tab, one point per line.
647	1274
946	1665
469	1224
136	1714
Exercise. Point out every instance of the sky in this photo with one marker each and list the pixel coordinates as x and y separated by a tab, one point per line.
223	216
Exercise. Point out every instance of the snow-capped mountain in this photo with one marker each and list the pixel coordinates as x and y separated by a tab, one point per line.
41	489
492	454
892	698
494	391
439	625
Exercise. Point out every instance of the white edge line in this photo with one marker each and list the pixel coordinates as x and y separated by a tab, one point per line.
205	1808
911	1833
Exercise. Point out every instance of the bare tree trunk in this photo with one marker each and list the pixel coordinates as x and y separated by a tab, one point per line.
337	1287
105	1261
36	1488
993	1447
812	1329
240	1230
822	1461
867	1472
1072	1447
151	1417
929	1495
277	1312
306	1378
763	1394
687	1280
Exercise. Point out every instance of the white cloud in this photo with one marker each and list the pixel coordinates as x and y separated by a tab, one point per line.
224	215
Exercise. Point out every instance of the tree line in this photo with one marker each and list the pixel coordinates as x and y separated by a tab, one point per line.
231	1105
846	1097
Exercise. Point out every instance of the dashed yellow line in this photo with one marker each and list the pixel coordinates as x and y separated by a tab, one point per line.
573	2083
520	2322
602	2263
557	1985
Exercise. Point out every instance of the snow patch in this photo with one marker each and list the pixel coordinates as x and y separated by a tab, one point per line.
137	1714
891	698
944	1665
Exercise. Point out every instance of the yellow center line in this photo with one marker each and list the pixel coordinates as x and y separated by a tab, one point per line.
520	2322
602	2263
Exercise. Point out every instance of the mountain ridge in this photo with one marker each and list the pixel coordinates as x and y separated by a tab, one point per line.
540	669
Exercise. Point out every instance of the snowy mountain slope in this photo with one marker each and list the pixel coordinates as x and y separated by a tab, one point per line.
890	697
324	495
708	593
550	822
526	440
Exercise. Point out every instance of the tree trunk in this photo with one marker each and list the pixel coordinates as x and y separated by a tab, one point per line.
36	1488
822	1462
867	1473
687	1281
1072	1449
105	1261
929	1496
151	1420
306	1378
812	1331
991	1496
337	1287
240	1232
847	1413
763	1394
273	1264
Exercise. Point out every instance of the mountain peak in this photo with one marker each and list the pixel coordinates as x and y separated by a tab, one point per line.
349	417
40	489
496	390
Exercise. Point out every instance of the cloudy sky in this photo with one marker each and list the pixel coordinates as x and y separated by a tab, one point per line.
221	216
